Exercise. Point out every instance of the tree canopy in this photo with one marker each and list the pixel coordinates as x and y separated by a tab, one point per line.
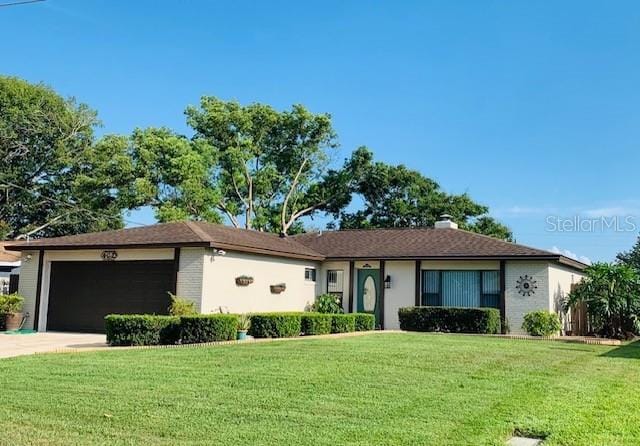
249	165
396	196
611	293
54	180
631	257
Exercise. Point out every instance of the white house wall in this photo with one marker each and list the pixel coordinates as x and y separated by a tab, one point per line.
561	278
190	273
27	286
402	291
220	292
517	305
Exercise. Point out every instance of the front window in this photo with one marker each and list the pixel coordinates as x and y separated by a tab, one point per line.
470	289
335	281
310	274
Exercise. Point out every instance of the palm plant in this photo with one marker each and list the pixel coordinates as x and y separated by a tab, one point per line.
244	322
611	293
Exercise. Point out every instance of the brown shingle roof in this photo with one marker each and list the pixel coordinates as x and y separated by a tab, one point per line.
7	256
414	243
411	243
179	234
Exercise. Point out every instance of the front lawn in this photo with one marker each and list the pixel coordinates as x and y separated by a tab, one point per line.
410	389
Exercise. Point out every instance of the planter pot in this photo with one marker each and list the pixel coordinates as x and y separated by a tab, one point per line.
242	335
13	321
244	281
279	288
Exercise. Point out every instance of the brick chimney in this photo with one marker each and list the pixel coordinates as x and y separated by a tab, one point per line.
445	222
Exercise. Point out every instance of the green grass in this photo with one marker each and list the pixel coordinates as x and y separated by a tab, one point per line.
376	389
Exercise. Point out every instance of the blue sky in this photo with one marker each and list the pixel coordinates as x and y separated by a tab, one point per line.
531	107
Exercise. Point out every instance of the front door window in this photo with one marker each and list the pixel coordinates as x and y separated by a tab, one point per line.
369	296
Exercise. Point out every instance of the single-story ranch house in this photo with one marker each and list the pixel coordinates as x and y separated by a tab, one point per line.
70	283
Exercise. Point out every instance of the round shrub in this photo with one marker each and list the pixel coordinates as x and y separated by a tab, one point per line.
450	319
365	321
275	325
208	328
141	329
343	323
541	323
316	323
327	303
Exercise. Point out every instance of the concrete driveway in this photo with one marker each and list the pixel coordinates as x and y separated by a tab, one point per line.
27	344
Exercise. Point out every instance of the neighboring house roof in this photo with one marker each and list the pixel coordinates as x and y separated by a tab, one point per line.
176	235
7	257
420	243
408	243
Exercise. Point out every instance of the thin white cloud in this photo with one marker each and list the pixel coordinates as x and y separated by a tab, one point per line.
612	211
571	255
521	211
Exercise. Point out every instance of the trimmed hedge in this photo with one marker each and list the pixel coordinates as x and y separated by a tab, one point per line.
316	323
541	323
450	319
343	323
365	321
141	329
208	328
276	325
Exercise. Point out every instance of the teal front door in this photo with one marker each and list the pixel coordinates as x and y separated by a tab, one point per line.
369	293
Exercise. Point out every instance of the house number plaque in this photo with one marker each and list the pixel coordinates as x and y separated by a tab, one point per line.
109	255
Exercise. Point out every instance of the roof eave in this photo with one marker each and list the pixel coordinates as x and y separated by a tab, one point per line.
269	252
448	257
551	257
203	244
68	247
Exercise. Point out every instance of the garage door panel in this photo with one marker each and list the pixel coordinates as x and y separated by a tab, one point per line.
82	293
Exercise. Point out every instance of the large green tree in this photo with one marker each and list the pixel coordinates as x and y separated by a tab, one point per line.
395	196
54	180
258	167
631	257
611	293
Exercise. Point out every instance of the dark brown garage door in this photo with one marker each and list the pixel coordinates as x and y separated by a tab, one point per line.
82	293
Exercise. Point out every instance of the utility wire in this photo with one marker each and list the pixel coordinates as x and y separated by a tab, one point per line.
73	206
24	2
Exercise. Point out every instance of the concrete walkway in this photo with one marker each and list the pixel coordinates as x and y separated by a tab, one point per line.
28	344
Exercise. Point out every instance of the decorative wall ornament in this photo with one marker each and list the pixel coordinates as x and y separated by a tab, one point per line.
109	255
526	285
244	280
278	288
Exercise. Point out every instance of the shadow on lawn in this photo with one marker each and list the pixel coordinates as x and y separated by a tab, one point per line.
631	351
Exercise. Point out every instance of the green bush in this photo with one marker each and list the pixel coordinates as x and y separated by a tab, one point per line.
316	323
343	323
327	303
365	321
141	329
181	306
450	319
276	325
208	328
11	303
541	323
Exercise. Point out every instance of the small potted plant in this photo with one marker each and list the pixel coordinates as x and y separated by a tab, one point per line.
244	280
278	288
11	310
244	323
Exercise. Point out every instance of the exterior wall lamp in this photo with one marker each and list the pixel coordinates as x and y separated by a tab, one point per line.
387	282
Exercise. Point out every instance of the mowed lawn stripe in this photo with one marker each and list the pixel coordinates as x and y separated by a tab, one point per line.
407	388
